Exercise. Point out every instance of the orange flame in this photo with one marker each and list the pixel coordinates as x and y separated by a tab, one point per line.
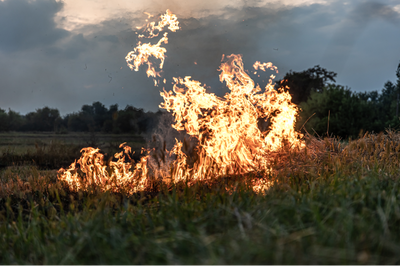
229	138
114	176
143	51
227	128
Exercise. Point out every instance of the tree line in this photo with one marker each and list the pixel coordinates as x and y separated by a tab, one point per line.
325	108
91	118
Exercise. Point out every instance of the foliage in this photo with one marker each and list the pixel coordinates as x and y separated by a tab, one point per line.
346	113
41	120
301	84
91	118
98	118
337	109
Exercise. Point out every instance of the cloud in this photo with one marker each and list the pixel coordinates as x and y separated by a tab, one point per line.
28	24
354	24
367	11
66	69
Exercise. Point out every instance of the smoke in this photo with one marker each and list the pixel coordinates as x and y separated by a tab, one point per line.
162	140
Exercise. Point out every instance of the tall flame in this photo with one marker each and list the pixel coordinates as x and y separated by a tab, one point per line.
226	128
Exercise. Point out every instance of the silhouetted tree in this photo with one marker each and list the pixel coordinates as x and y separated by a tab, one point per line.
302	83
15	120
3	121
41	120
76	122
128	119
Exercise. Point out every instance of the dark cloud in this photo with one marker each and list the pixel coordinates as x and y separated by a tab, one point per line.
354	25
68	69
367	11
27	24
272	33
71	47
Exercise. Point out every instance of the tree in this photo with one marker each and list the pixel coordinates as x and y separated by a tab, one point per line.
129	119
76	122
110	125
344	111
41	120
15	120
301	84
398	74
3	121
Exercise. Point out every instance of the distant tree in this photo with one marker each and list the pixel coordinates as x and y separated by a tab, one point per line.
42	119
398	74
3	121
344	111
301	84
15	120
387	103
76	122
110	124
128	120
99	115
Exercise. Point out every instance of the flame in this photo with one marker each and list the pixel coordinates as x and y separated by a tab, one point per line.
226	128
167	19
143	51
96	172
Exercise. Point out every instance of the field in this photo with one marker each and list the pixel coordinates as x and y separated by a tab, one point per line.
52	151
332	202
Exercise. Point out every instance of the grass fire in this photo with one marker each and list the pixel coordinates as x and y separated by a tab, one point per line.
279	172
229	140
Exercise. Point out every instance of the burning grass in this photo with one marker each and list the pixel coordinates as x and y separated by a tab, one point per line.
328	203
246	196
226	129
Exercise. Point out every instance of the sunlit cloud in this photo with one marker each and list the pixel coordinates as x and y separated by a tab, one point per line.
78	13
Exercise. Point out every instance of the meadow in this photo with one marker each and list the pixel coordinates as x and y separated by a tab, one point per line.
333	202
53	151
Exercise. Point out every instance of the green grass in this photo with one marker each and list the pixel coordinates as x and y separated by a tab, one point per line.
328	205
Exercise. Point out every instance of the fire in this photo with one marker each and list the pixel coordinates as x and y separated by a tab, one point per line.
143	51
226	128
95	172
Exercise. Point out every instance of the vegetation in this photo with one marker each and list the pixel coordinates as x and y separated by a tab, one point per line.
301	84
324	107
334	108
329	203
332	202
91	118
53	151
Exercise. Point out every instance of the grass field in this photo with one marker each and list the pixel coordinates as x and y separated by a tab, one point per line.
329	203
53	151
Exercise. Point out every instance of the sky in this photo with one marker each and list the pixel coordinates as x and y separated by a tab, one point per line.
64	54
